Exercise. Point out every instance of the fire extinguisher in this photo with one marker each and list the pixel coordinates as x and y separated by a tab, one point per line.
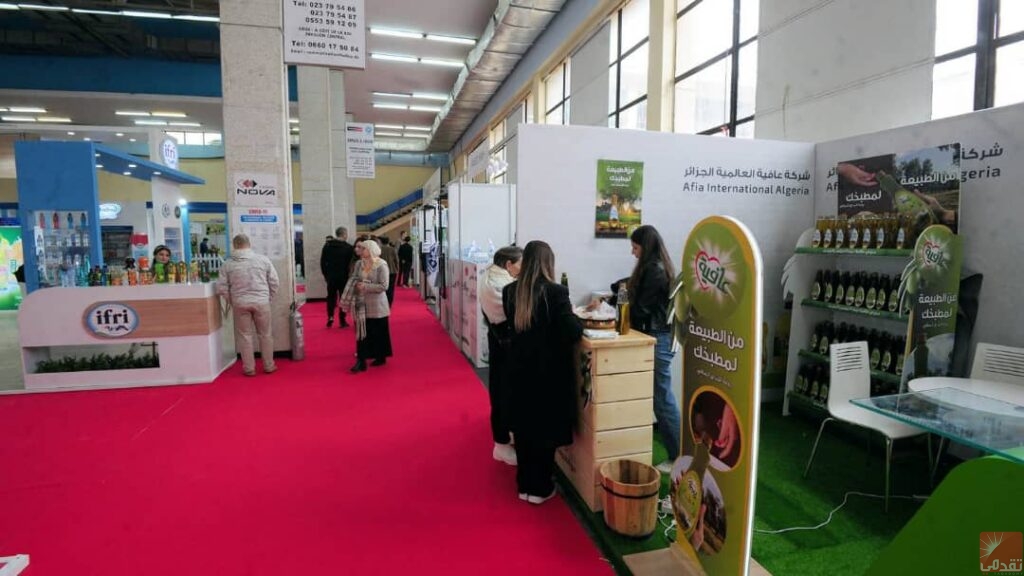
298	339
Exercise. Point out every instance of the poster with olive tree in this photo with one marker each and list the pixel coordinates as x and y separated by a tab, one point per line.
620	186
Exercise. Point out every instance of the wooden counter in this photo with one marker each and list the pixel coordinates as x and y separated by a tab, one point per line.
615	389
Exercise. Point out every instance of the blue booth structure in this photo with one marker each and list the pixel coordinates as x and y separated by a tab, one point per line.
58	203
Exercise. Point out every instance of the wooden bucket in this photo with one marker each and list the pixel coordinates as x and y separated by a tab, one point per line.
630	497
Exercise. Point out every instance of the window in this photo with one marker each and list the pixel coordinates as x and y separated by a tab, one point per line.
979	55
556	95
500	137
716	67
627	71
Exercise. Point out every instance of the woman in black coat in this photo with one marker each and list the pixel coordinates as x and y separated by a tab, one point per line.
542	401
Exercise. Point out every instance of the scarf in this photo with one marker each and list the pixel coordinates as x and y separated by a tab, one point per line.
354	301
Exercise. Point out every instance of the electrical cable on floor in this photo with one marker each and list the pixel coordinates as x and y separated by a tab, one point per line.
663	505
846	498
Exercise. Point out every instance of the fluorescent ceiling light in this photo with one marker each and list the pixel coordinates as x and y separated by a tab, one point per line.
43	7
390	106
425	108
120	134
169	114
439	62
394	57
392	95
397	33
389	126
150	123
55	119
414	135
130	113
140	14
132	166
423	128
126	173
91	11
157	173
27	109
197	18
189	124
293	120
99	165
451	39
6	6
17	118
182	202
131	139
97	154
3	109
71	133
389	134
87	139
425	96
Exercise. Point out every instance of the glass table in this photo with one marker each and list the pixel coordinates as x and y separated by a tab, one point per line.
985	423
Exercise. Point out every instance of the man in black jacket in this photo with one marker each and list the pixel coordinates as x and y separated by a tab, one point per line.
405	262
335	262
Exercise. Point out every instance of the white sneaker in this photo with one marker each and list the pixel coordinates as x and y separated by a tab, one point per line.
665	467
524	496
542	499
505	453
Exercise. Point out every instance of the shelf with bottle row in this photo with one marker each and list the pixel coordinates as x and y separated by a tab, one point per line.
872	313
886	377
804	401
882	252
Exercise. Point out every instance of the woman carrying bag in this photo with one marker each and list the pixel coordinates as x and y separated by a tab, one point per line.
365	298
542	402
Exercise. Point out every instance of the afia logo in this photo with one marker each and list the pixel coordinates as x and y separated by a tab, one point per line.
1002	552
169	152
709	272
111	319
932	253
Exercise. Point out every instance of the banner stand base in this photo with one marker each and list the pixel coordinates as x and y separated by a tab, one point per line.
672	561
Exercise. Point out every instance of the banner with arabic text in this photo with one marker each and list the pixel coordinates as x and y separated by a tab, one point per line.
620	190
932	282
720	307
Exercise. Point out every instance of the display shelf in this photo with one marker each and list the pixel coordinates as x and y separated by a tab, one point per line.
884	252
876	374
802	401
812	303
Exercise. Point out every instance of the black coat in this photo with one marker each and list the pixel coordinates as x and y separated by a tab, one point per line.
541	377
405	253
336	260
648	300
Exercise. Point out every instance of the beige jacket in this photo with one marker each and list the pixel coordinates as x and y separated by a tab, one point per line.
248	278
495	279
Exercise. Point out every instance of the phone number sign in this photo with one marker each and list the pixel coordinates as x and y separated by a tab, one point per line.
325	33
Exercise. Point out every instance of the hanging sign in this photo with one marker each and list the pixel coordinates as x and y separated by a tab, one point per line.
931	282
325	33
718	309
264	227
359	151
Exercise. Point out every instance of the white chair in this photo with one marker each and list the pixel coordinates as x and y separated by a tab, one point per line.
998	364
850	379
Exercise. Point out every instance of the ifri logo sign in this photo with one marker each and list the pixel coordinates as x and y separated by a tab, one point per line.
1002	552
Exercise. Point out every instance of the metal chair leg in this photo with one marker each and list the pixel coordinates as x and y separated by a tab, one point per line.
931	459
888	466
815	448
938	457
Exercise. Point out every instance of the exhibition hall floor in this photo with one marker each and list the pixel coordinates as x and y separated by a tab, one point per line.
310	470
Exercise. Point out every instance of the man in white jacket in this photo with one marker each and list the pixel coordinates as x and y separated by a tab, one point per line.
249	280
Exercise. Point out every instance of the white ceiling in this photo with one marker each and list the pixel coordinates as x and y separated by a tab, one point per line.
461	18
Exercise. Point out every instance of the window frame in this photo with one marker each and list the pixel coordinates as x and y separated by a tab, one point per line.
563	102
733	54
615	67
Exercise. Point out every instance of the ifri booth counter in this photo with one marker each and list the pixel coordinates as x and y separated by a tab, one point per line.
75	337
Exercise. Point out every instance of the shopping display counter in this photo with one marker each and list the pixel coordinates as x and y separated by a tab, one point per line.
122	336
615	389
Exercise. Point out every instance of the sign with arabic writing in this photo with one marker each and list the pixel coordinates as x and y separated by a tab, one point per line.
929	186
932	283
860	193
620	190
765	181
720	307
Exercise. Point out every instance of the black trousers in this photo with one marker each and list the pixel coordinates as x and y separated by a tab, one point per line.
391	288
497	390
405	273
377	344
535	464
334	290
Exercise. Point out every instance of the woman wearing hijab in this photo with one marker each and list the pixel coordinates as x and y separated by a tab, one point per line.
365	298
542	404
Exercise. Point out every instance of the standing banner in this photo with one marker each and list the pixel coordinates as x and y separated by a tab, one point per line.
931	282
359	151
620	189
325	33
11	258
720	307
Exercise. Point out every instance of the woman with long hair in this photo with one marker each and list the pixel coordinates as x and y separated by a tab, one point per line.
649	287
506	266
542	403
365	298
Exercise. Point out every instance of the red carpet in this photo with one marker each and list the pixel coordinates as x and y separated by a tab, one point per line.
307	471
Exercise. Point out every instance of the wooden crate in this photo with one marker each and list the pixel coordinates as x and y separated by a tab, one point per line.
617	415
581	461
619	387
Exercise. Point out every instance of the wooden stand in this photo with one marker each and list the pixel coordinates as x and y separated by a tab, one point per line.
672	560
615	389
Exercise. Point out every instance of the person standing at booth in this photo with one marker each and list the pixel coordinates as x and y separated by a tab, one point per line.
365	297
390	255
506	266
542	404
335	262
250	281
405	262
